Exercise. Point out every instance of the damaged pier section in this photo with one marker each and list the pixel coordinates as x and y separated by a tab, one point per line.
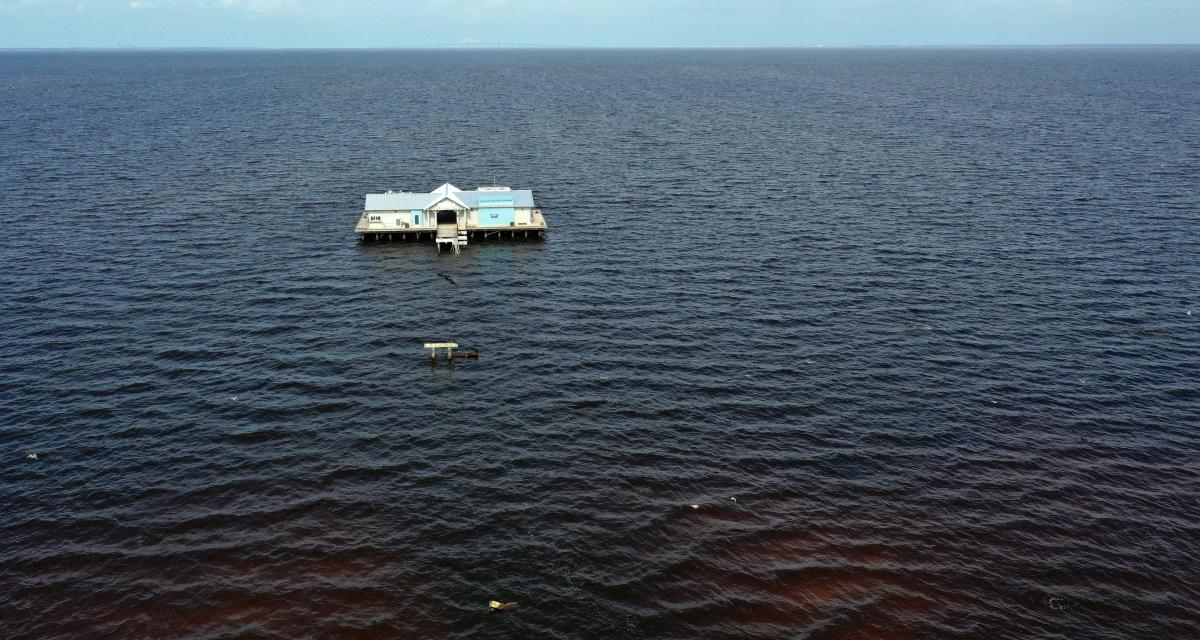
451	217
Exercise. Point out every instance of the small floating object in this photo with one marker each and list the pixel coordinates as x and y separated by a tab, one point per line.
1058	603
32	456
434	346
496	605
451	352
448	278
733	499
694	506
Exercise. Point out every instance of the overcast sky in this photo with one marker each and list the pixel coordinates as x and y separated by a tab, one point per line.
409	23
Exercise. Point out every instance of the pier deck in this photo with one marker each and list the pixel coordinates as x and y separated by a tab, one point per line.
378	232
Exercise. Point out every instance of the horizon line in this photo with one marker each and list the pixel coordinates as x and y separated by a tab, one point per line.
484	46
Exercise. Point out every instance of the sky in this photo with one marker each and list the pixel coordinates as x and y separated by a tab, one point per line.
597	23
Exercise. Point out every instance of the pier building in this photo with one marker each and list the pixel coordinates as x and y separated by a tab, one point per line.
450	216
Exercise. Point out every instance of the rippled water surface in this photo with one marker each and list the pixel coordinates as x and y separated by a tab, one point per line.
915	329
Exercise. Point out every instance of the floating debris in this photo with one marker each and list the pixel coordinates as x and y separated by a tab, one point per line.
452	351
448	278
694	506
1058	603
604	380
434	346
32	456
733	499
496	605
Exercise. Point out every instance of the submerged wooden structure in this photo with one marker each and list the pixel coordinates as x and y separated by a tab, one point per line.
450	216
451	352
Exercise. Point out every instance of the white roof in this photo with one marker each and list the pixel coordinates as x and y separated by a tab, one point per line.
408	201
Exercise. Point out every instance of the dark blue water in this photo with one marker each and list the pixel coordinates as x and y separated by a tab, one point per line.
917	329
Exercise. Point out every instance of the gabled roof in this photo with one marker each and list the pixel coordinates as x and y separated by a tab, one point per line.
406	201
444	193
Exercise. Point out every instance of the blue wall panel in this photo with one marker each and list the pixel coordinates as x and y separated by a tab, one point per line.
496	216
496	211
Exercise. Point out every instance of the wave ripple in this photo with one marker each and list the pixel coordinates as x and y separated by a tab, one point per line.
910	328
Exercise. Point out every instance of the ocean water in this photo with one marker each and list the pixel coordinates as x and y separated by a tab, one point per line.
917	330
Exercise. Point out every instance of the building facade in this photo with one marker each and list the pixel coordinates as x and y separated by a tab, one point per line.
494	209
